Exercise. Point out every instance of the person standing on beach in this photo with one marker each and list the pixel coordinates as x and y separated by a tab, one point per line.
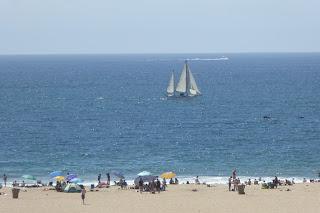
229	182
108	177
5	180
99	178
83	194
158	185
141	185
234	174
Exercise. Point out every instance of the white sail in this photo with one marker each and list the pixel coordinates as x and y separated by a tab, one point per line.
193	88
170	88
182	84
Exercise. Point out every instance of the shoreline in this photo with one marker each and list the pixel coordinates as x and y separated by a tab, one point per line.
178	198
218	180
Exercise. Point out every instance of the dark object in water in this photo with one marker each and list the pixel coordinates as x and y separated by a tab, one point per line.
266	117
301	116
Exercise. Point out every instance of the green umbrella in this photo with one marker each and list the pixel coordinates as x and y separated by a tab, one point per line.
29	177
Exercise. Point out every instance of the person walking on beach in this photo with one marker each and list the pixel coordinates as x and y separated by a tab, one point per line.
83	194
5	180
229	183
99	178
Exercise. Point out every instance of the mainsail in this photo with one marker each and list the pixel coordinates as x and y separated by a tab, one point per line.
182	84
187	85
170	88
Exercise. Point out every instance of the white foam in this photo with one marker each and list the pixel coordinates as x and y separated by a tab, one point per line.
214	179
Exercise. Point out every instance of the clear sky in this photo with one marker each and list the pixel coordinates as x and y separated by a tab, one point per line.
158	26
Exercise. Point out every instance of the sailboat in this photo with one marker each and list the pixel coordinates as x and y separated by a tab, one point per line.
187	86
170	88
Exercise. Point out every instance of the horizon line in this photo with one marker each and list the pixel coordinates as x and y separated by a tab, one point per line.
160	53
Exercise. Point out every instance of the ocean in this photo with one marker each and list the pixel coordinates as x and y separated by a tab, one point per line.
91	114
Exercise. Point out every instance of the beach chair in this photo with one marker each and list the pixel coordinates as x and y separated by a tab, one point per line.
264	186
241	189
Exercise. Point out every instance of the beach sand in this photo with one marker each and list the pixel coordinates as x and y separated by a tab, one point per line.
181	198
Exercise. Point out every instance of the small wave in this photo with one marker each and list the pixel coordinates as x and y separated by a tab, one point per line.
100	98
208	59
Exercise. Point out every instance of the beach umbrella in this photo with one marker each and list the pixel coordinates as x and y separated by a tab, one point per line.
168	175
118	174
76	180
144	173
70	177
59	178
29	177
55	174
146	178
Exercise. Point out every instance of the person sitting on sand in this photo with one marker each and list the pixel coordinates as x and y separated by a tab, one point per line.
171	181
197	180
249	182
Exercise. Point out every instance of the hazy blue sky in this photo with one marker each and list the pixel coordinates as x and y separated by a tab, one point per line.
158	26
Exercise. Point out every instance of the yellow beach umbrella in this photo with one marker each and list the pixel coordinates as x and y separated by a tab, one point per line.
168	175
59	178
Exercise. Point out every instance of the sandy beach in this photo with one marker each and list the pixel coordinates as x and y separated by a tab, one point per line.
181	198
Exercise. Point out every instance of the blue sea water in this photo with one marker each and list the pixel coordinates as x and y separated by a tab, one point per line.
90	114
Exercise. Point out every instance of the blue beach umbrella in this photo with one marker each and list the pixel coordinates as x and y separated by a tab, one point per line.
144	173
76	180
71	176
55	174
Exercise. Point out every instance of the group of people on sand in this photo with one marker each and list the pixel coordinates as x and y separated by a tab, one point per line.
155	185
233	180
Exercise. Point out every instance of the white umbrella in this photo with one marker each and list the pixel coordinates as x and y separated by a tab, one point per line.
144	173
